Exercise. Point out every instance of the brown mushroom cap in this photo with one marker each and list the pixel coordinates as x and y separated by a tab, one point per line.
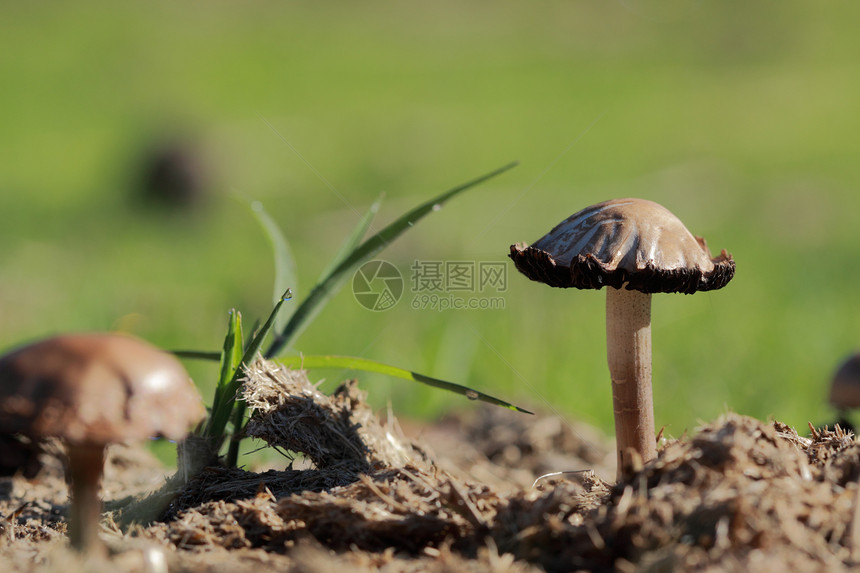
631	243
845	388
96	389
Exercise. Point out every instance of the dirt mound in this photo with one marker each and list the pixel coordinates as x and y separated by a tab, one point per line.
739	495
508	451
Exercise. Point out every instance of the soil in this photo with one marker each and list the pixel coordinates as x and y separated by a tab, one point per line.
464	494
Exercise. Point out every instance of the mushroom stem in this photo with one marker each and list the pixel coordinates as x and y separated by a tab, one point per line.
86	463
628	349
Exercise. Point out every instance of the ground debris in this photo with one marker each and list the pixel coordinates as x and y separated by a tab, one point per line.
405	508
739	494
736	490
371	489
508	451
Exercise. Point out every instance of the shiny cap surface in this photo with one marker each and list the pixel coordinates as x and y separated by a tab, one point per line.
624	243
96	389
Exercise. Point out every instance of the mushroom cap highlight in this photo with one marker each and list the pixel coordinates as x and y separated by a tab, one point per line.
845	388
96	389
624	243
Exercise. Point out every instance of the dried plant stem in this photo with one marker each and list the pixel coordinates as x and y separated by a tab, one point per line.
628	345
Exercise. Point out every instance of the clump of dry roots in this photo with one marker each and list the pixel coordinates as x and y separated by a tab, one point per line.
336	430
739	495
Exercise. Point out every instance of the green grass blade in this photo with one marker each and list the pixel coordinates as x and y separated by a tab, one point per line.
231	358
252	349
285	263
326	288
239	406
197	354
353	240
353	363
257	341
323	361
236	436
231	371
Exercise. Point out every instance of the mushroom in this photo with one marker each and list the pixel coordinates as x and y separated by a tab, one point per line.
91	390
634	248
845	389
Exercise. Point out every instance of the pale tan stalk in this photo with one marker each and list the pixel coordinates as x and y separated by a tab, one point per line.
628	349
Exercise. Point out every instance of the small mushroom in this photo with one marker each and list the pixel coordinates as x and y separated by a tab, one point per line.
634	247
845	389
91	390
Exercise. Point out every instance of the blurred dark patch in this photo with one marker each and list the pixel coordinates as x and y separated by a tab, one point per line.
172	175
843	422
19	454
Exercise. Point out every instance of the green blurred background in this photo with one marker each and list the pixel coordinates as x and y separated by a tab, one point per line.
741	118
